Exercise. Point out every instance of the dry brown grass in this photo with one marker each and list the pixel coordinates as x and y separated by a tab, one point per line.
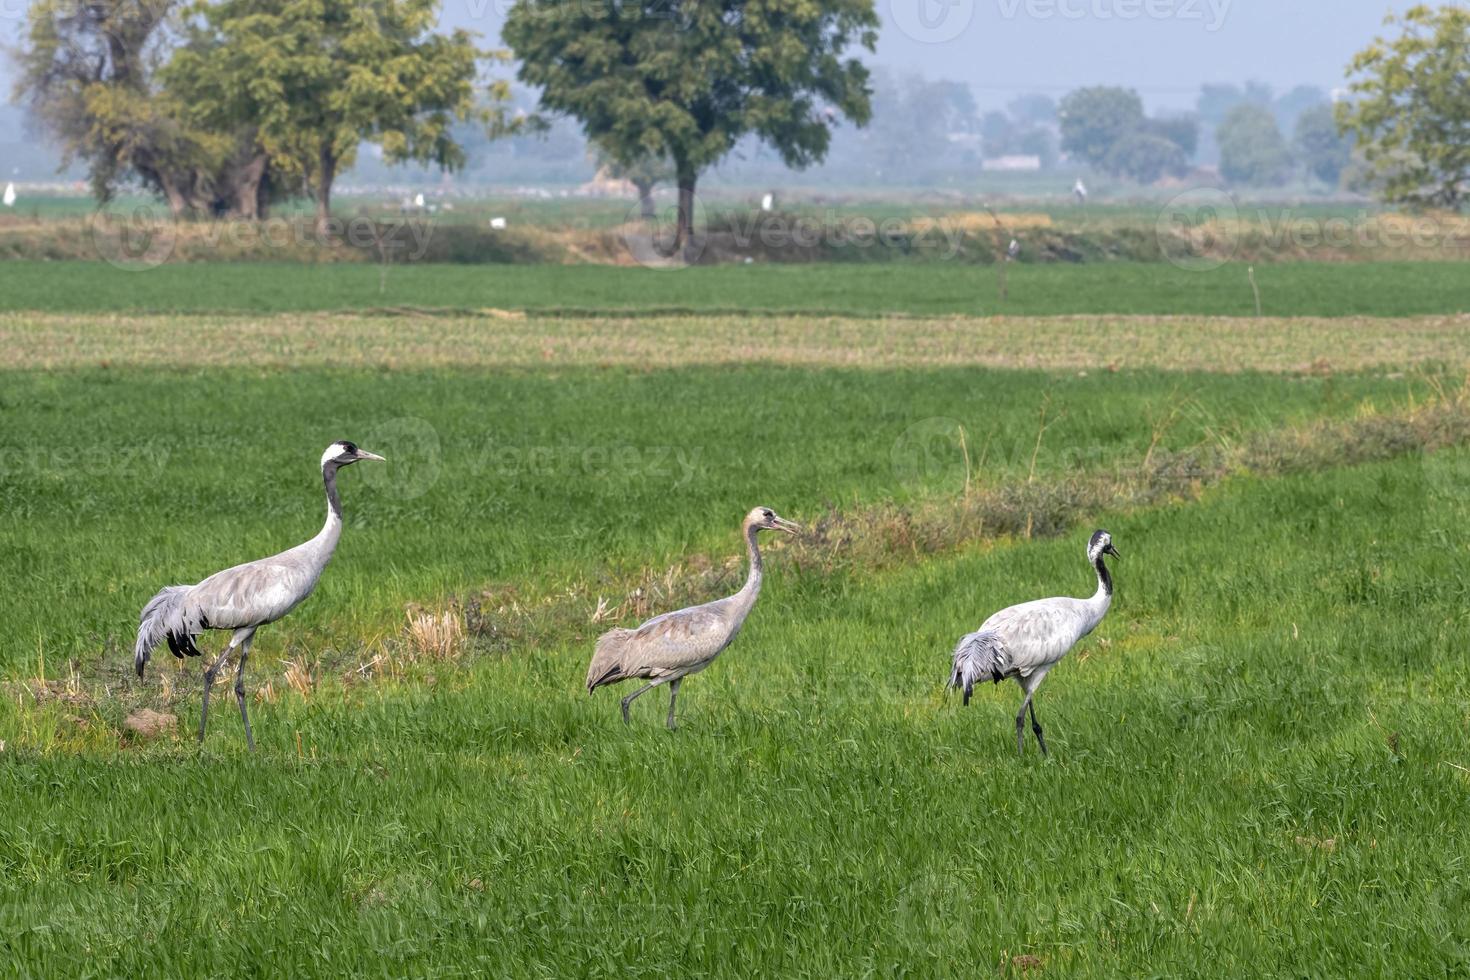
59	341
434	635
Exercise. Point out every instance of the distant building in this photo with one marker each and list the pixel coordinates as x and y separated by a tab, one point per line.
1012	164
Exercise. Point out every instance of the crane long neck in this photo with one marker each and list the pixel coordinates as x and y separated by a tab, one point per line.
754	574
1104	579
1103	597
326	540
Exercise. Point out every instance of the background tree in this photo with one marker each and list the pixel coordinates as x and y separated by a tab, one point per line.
1093	120
1252	149
687	79
317	79
1411	108
1033	108
1321	148
1182	131
1289	107
88	74
1144	157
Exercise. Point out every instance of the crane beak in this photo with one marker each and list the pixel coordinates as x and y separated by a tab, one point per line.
364	454
1110	550
790	527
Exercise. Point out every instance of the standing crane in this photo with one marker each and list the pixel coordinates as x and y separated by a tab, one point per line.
668	648
244	598
1028	640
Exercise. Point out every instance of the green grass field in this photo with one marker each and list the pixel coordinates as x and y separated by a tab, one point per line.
936	288
1259	760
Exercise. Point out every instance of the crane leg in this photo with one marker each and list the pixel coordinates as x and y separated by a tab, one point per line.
1021	727
627	701
673	693
1036	727
240	687
210	673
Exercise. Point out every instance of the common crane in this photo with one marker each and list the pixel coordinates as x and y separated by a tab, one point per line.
244	598
1028	640
668	648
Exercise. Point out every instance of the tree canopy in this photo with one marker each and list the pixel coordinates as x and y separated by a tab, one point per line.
220	105
1410	110
1252	149
687	79
317	78
1106	127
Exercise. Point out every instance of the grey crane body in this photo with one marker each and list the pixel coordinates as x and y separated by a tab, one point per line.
1026	641
670	647
246	597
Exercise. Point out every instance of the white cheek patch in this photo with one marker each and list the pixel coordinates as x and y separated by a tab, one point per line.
333	451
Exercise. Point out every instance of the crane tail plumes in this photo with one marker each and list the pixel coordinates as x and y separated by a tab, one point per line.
163	619
980	657
607	659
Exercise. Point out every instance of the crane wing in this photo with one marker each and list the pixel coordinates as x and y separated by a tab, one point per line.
1038	634
678	641
252	594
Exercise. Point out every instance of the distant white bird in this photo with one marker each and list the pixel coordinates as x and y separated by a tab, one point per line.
498	224
418	200
1079	191
1027	641
9	198
244	598
768	202
1014	252
668	648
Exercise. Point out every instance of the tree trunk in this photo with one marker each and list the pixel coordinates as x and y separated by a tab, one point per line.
248	183
326	174
684	230
645	198
177	204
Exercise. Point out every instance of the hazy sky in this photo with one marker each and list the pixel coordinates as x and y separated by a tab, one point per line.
1164	48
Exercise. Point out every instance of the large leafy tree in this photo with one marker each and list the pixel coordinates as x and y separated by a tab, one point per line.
687	79
89	73
1410	109
1106	127
316	78
1094	120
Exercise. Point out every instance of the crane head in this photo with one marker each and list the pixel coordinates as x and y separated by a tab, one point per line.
765	519
344	453
1101	544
